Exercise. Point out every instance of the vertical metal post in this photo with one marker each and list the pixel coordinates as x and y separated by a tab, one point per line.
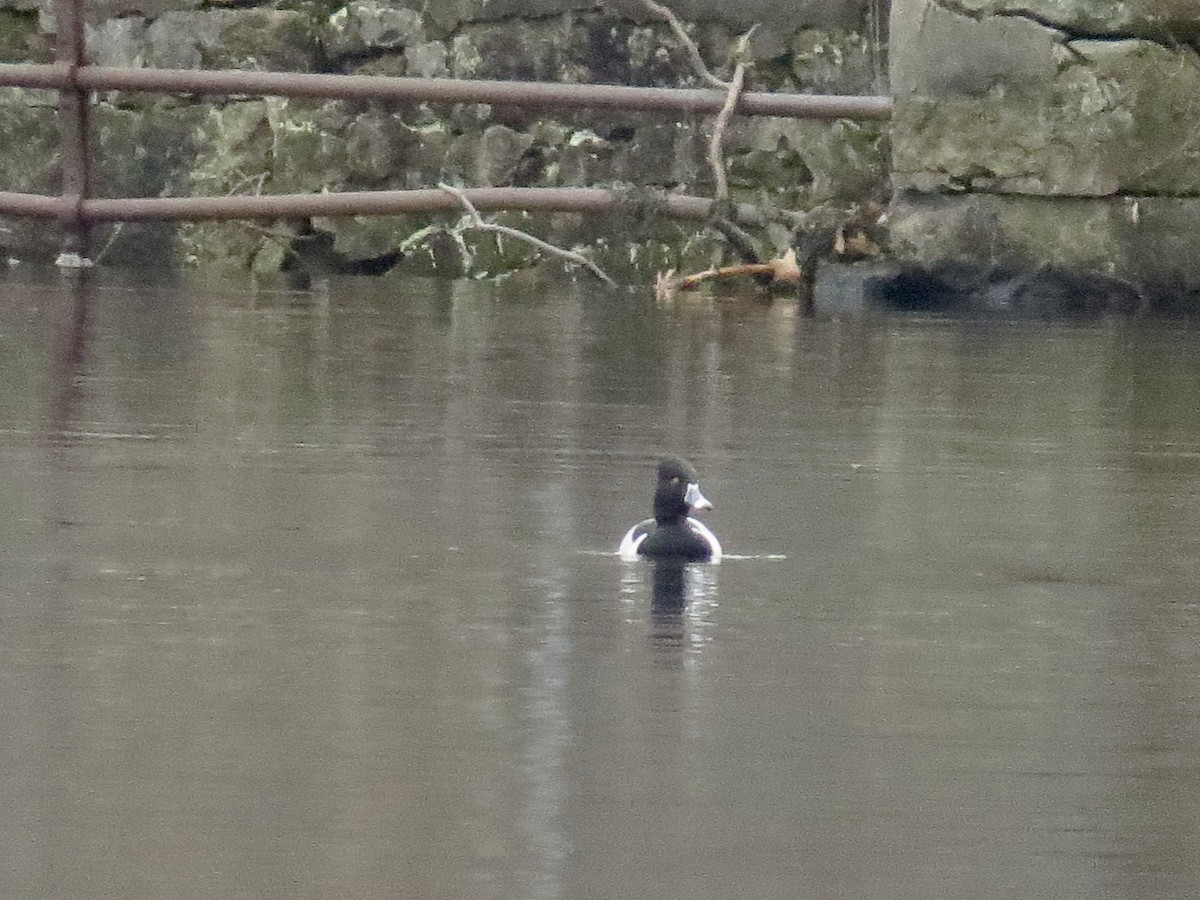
73	127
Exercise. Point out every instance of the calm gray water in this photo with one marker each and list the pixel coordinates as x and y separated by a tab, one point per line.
312	595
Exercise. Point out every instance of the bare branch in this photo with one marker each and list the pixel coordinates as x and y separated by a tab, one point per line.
716	150
716	155
112	239
702	71
478	223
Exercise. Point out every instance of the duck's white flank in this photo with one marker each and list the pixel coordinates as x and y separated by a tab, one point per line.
701	529
628	548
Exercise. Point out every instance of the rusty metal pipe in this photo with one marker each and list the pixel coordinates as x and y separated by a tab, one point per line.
445	90
34	206
350	203
34	75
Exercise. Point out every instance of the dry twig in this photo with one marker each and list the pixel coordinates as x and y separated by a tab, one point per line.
716	152
777	271
733	88
689	45
480	224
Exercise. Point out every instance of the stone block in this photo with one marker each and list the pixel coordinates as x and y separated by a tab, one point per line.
376	145
29	136
367	26
259	39
96	11
825	62
428	60
780	16
1143	239
946	53
256	39
366	237
1028	110
1144	18
1152	105
20	39
499	150
1010	230
144	151
841	160
308	146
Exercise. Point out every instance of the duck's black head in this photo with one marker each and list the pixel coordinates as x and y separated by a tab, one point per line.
678	492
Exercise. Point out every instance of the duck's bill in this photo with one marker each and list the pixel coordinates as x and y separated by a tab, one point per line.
695	499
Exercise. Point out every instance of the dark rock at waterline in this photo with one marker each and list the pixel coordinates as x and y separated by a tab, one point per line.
1004	291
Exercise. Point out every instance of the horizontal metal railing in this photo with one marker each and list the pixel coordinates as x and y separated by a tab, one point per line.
75	81
440	90
342	203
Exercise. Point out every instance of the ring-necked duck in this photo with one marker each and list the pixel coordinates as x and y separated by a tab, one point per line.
674	533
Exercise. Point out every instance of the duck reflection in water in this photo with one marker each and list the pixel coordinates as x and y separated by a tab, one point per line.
668	601
683	597
669	595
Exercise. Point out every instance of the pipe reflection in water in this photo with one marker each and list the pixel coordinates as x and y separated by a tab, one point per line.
71	364
67	396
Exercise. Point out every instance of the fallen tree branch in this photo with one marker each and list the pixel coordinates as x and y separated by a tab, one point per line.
479	224
691	282
738	238
783	271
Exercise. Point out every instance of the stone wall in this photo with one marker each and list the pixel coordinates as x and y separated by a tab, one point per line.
1048	132
152	145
